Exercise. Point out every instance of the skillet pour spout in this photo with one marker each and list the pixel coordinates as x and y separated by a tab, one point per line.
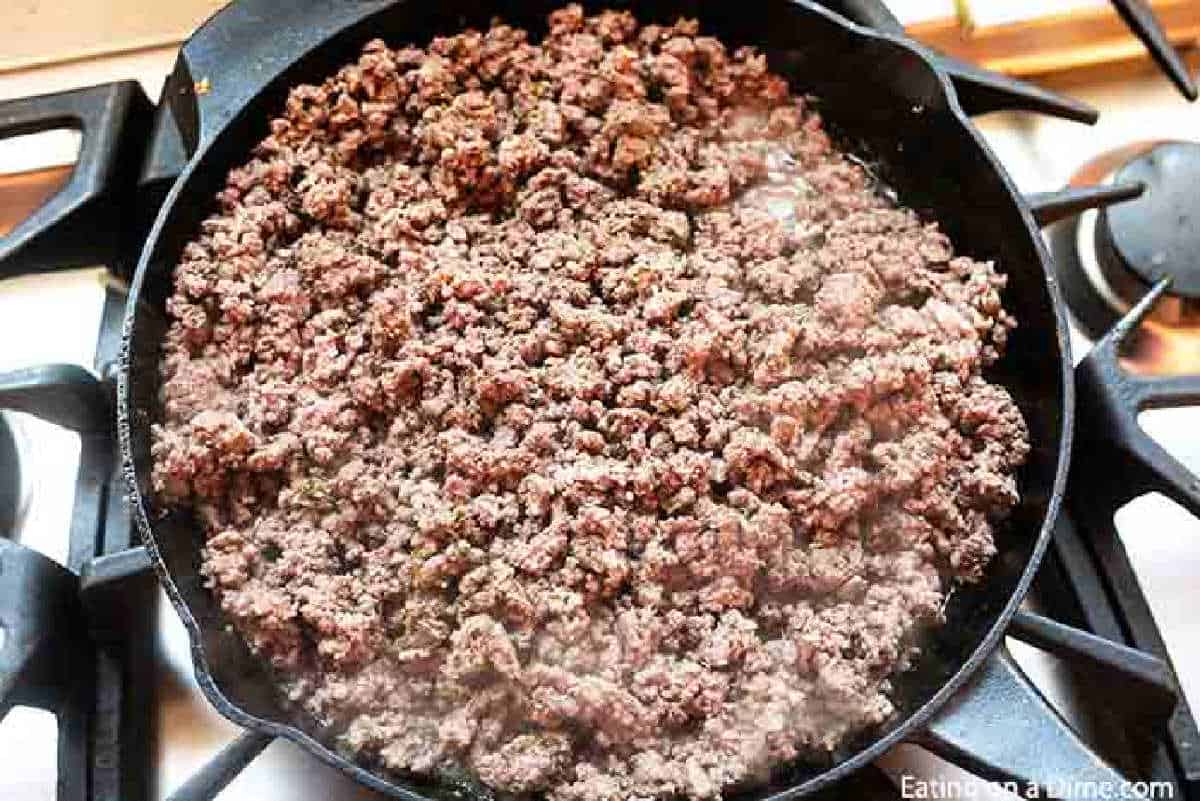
892	102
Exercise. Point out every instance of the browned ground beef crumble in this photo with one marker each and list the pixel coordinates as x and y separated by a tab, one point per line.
577	414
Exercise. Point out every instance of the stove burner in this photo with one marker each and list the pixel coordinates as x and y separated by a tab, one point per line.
1156	237
10	480
1107	260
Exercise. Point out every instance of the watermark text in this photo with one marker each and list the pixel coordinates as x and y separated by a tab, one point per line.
951	790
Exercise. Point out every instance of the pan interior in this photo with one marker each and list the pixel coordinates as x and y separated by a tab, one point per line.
882	99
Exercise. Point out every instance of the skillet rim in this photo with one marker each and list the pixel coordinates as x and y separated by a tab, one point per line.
900	731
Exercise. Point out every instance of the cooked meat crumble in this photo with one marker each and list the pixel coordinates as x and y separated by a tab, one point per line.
575	413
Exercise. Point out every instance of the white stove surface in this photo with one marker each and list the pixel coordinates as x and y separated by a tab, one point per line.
55	318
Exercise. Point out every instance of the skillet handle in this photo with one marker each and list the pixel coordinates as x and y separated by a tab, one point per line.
1002	729
88	221
871	13
211	779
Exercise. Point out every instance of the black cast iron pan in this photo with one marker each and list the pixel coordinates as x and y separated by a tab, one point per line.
965	699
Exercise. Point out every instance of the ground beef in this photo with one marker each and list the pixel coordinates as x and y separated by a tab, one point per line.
575	413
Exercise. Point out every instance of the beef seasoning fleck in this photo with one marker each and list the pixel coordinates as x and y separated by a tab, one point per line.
577	414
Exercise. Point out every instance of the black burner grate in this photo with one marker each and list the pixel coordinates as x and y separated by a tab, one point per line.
10	479
78	639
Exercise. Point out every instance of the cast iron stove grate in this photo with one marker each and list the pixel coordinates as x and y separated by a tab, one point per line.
78	637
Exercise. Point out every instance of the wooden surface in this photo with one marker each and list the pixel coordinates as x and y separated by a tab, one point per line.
1083	39
21	193
34	32
1034	37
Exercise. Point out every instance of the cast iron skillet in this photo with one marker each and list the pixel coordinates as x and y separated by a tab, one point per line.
880	93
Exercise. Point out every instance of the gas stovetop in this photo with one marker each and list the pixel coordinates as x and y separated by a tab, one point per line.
1108	634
